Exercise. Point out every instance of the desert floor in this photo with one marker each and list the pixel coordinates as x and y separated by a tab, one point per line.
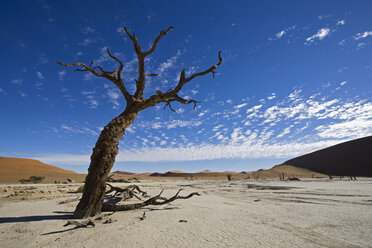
240	213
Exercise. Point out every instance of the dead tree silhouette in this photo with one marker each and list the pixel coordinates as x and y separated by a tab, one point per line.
106	148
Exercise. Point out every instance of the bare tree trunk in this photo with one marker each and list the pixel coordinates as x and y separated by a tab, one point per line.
102	160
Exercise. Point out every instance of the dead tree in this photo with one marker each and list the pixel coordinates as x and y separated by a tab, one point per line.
228	177
106	148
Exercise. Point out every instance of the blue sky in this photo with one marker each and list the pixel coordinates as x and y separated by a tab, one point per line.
296	77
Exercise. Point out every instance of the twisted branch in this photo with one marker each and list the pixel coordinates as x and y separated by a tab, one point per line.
171	95
156	200
183	80
114	76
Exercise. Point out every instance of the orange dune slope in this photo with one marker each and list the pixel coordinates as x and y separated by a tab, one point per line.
14	169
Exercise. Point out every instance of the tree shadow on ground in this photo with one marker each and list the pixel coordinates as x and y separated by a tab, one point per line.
34	218
157	209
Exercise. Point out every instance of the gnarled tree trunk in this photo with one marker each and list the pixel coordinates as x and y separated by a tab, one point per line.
102	160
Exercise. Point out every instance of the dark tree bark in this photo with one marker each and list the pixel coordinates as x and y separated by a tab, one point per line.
107	146
102	160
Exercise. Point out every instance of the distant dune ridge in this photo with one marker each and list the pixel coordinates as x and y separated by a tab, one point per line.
14	169
352	158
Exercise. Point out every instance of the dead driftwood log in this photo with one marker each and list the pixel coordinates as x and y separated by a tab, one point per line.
156	200
127	192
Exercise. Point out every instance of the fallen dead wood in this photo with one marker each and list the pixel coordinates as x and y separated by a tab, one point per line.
90	221
156	200
77	223
127	192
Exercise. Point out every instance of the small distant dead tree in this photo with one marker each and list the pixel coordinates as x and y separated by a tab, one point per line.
106	148
32	179
228	177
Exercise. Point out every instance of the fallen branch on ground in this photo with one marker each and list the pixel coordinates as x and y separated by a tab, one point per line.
156	200
90	221
127	192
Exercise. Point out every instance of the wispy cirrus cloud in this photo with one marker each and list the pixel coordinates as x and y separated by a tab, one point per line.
281	128
320	35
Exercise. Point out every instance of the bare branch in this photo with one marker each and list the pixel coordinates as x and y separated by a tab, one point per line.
162	33
117	60
182	81
86	68
120	83
168	104
137	47
140	83
101	73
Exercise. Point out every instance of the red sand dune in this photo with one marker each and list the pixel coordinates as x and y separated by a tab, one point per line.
14	169
23	165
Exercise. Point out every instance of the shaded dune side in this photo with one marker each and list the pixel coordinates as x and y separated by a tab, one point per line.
352	158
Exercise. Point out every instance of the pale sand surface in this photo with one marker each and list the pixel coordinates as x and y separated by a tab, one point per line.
240	213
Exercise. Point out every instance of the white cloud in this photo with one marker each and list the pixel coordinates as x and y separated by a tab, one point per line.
179	123
273	96
39	75
203	113
87	42
254	108
89	30
78	130
360	45
342	22
89	95
169	63
286	130
113	97
280	34
88	76
320	35
201	152
295	96
194	92
61	75
241	105
43	59
17	81
156	125
346	130
170	124
363	35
